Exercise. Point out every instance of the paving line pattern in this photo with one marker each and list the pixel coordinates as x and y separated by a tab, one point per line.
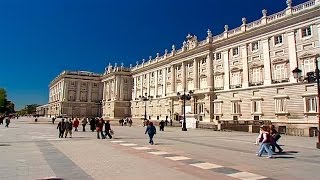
237	174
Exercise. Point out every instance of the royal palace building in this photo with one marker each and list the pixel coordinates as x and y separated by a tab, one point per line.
75	94
242	74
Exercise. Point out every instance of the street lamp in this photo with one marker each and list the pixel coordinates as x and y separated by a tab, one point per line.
145	98
184	97
99	103
297	74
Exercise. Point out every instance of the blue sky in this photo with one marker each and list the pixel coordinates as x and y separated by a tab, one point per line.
41	38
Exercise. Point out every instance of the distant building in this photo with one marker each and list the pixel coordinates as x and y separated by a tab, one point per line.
75	94
43	110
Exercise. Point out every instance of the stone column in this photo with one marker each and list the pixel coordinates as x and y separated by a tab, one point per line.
135	88
141	86
164	83
225	56
156	83
184	82
121	87
173	79
148	84
209	62
109	89
266	60
78	91
115	88
245	72
292	55
89	91
104	95
195	74
65	90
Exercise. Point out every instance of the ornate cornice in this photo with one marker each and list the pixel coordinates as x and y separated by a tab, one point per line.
280	60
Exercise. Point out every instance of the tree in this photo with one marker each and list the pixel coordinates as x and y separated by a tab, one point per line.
3	100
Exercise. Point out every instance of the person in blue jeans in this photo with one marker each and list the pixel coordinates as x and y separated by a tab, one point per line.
265	142
151	130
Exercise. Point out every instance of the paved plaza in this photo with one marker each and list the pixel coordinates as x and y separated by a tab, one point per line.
31	150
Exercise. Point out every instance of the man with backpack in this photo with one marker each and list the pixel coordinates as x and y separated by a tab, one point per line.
62	127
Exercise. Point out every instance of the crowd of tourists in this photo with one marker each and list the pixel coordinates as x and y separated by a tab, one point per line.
99	125
267	141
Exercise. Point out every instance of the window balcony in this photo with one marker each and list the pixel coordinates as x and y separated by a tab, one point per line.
275	81
255	83
235	86
218	88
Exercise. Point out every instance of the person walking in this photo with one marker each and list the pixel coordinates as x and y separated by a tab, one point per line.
161	125
151	130
107	129
275	136
92	124
84	123
76	124
100	129
68	128
265	143
7	122
53	119
1	119
62	127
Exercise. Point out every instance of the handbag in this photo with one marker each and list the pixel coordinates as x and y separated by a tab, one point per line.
111	132
97	129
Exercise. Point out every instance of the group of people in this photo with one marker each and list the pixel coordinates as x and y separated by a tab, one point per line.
66	127
6	119
267	139
125	122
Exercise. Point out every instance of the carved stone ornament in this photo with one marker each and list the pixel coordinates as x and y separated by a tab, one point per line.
256	65
279	60
235	69
218	73
264	12
192	42
209	33
307	55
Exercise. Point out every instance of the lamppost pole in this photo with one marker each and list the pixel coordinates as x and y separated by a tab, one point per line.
184	97
318	85
145	98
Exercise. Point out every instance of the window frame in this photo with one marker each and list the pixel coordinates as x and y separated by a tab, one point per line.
256	45
276	43
236	49
304	32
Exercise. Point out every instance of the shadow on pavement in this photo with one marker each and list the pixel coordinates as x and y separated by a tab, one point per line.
284	157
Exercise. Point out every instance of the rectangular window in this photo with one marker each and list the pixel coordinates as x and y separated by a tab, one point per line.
256	106
308	66
95	84
203	61
235	78
255	46
278	40
256	75
281	105
280	72
218	81
306	32
235	107
160	72
218	56
218	108
201	108
235	51
311	104
169	70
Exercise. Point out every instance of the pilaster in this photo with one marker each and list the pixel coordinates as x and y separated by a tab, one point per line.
78	91
65	90
148	84
121	84
226	81
184	84
141	86
164	83
89	91
292	55
244	58
104	93
156	83
266	62
195	73
173	79
134	88
209	62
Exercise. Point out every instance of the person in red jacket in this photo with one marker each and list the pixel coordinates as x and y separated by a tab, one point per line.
76	124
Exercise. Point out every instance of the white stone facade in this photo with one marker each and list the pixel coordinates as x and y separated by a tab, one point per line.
241	74
76	94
